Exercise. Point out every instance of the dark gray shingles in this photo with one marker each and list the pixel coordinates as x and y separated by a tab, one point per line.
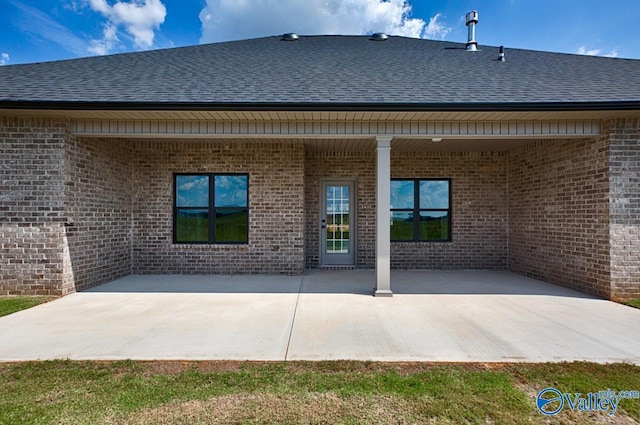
326	69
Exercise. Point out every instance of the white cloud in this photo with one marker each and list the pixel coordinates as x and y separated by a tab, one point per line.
107	42
4	59
236	19
582	50
436	29
612	54
140	18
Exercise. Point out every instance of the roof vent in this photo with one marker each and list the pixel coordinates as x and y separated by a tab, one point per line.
501	54
379	36
290	36
472	20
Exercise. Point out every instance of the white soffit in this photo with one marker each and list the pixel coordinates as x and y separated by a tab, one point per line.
323	129
366	144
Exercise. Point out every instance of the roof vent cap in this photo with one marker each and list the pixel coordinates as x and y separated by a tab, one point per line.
501	54
472	20
289	36
379	36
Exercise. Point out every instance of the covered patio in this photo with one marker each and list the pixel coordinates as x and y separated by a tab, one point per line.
438	316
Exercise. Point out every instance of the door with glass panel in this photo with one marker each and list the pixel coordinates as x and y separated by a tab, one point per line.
337	223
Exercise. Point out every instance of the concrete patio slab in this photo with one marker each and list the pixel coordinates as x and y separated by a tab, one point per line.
433	316
159	317
459	317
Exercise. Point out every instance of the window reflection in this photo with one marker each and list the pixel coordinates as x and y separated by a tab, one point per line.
420	210
211	208
401	225
402	194
192	191
434	194
231	191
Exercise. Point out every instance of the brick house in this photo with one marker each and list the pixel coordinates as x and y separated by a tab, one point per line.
275	155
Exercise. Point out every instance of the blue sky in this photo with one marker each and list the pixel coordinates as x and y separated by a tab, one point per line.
44	30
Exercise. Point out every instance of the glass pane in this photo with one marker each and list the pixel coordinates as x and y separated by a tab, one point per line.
434	194
434	225
232	225
402	194
401	225
231	191
192	226
338	224
192	191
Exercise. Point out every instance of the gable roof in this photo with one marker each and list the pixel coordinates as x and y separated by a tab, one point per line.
326	72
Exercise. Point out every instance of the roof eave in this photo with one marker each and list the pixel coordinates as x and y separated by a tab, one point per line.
324	106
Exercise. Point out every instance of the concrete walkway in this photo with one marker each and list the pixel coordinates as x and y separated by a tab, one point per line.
434	316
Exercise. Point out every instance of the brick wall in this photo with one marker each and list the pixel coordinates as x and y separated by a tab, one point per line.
33	251
479	207
65	214
479	211
359	166
276	199
78	212
624	168
98	203
558	213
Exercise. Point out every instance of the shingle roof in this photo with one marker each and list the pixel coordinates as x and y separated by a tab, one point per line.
325	70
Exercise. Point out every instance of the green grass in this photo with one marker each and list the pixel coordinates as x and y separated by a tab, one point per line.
66	392
12	304
633	302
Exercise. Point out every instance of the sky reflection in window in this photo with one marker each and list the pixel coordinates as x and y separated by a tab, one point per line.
192	191
402	194
231	191
434	194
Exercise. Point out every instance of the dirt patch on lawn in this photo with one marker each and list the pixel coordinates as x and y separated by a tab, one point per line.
314	408
402	368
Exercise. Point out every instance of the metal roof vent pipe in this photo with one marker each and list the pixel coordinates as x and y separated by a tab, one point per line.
501	54
472	20
379	36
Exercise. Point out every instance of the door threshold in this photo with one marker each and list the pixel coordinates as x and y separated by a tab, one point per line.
338	267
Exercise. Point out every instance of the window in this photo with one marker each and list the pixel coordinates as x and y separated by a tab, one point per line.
211	208
420	210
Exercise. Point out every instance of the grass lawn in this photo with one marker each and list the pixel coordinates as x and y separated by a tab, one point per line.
12	304
65	392
633	303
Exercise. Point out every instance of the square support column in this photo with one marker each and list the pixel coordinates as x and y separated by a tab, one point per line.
383	216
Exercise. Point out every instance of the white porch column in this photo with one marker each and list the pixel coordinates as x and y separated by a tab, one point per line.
383	216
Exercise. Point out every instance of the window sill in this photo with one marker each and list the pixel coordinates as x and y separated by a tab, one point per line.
209	247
